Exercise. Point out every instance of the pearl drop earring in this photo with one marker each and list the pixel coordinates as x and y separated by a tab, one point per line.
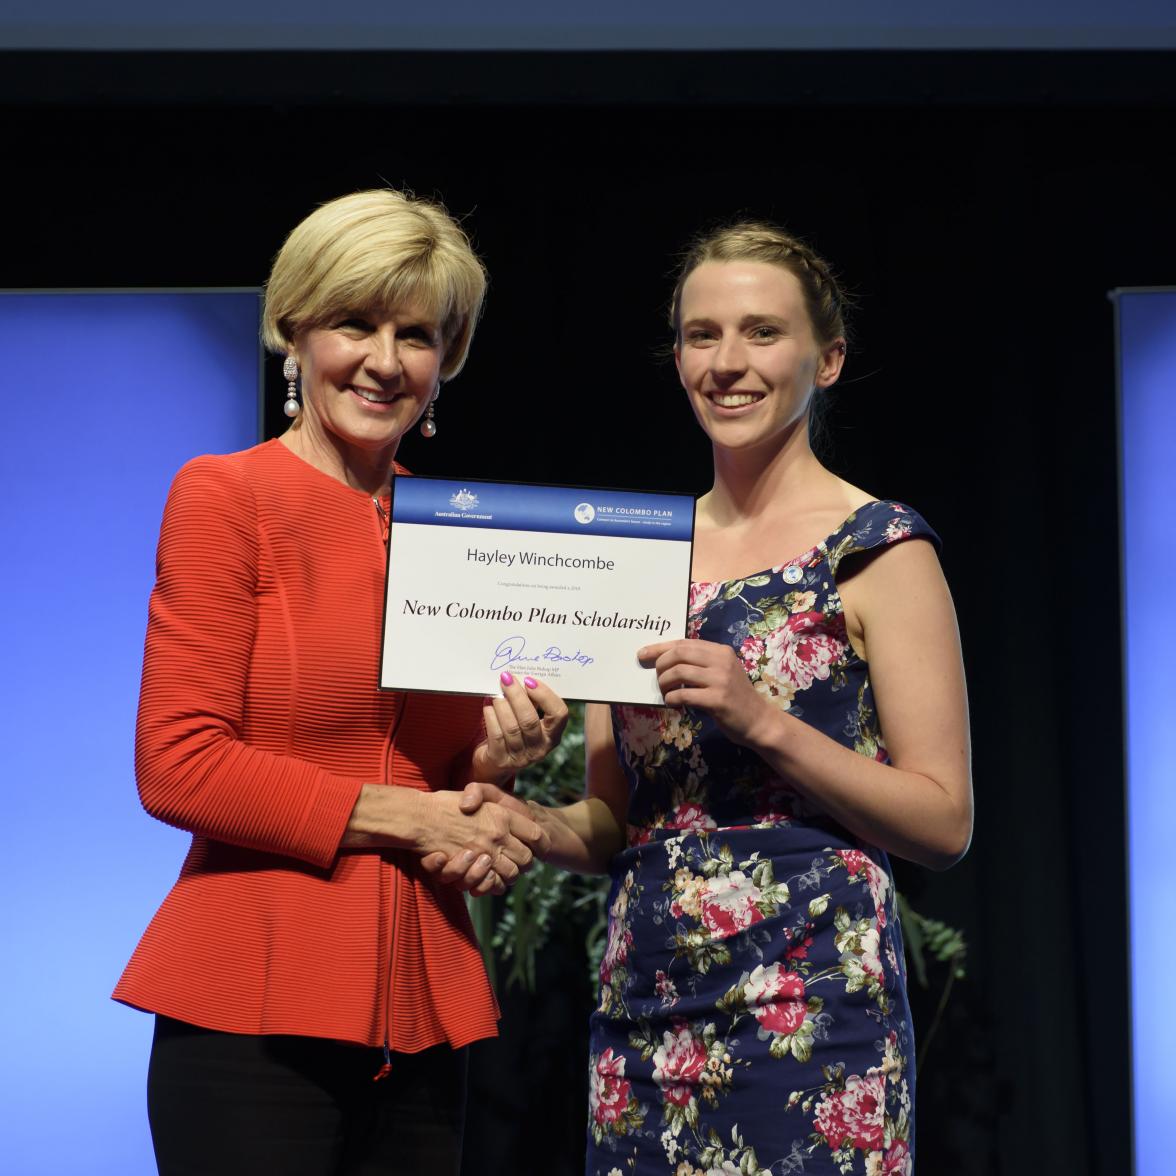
428	425
290	373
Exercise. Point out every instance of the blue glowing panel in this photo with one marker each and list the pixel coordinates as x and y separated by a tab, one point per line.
1147	412
106	395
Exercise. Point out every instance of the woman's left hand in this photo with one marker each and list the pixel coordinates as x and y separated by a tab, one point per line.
708	676
522	727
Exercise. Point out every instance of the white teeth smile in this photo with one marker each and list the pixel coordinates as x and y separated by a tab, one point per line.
734	399
373	397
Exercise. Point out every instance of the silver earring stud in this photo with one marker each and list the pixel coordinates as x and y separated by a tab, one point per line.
290	374
428	425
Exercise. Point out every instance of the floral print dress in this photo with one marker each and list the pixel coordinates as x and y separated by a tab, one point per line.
753	1015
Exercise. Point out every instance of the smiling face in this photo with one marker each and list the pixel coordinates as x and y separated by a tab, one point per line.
747	354
366	378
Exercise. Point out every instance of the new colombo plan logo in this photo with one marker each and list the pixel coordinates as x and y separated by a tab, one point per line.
585	513
463	500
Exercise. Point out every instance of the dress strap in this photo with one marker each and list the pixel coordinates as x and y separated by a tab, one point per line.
877	524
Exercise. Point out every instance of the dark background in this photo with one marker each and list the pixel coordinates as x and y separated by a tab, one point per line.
980	205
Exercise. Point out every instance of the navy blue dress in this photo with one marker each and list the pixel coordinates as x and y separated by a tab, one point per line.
753	1015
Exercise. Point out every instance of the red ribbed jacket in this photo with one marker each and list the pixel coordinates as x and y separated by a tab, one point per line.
259	720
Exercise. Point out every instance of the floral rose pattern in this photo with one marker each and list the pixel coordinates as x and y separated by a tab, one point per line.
611	1106
753	1017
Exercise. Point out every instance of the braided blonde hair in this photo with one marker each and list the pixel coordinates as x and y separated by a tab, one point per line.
766	242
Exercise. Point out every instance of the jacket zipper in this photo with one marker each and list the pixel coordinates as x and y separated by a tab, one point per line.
384	523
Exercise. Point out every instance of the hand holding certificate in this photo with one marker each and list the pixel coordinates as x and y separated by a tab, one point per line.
561	582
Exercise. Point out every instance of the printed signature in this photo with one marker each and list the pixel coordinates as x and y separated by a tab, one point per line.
513	649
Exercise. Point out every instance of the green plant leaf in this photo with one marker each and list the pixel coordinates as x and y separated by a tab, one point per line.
912	932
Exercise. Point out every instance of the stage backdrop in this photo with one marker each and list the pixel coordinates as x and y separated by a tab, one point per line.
106	395
1147	428
604	24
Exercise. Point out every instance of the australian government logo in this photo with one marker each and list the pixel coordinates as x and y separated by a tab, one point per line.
465	506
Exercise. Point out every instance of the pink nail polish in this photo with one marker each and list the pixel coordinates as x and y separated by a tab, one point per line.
530	683
506	678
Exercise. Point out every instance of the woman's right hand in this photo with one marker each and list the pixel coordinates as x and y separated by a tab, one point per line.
498	838
478	873
583	836
501	840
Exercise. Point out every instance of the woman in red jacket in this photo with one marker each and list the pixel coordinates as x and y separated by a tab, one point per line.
304	950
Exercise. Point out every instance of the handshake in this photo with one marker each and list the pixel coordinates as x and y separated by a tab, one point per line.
503	837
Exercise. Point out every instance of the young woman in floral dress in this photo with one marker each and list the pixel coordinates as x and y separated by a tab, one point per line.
753	1014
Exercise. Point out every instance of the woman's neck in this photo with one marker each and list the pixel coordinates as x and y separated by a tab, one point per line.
752	482
369	471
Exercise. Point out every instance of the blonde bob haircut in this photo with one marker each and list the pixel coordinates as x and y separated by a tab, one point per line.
372	252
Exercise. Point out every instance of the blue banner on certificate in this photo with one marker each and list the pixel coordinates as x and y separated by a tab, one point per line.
560	582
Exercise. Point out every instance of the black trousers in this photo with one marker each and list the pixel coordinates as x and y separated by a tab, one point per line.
229	1104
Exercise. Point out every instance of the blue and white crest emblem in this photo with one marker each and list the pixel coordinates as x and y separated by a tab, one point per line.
464	500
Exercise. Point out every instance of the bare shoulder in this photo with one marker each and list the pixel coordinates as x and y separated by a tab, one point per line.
833	502
851	497
781	528
899	592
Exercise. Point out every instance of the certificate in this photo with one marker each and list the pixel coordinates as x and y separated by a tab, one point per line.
559	582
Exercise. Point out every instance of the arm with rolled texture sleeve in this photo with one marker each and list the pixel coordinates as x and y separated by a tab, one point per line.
192	767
